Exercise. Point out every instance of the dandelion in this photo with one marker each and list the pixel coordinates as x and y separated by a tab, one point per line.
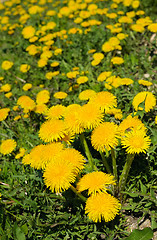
105	136
86	94
6	65
5	88
117	60
7	146
4	113
27	86
136	141
60	95
102	206
145	83
82	79
90	116
8	95
36	156
131	123
55	112
153	27
41	108
156	120
59	175
28	32
24	68
95	182
103	76
71	119
52	130
43	97
26	103
147	97
104	100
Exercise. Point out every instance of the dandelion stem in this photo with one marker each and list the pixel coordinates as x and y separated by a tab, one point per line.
105	162
125	172
114	165
87	152
78	194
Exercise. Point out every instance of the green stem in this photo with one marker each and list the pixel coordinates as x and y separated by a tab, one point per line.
125	172
114	164
87	152
78	194
105	162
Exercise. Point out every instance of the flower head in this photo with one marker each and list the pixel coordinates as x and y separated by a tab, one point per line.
60	95
26	103
52	130
28	32
90	116
102	206
59	175
86	94
147	97
43	97
105	136
4	113
136	141
95	182
104	100
7	146
55	112
6	65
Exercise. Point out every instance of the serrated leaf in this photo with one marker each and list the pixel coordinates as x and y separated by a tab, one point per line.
145	234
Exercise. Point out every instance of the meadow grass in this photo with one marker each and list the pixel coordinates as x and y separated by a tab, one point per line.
78	118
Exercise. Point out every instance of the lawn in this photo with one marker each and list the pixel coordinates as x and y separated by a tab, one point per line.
78	119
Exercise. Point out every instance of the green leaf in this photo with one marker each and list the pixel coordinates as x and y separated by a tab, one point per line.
145	234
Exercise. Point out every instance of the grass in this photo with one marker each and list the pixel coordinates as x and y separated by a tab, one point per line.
28	208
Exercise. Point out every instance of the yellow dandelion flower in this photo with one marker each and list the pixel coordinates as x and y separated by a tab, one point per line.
117	60
103	76
42	62
95	182
152	27
51	151
90	116
24	68
8	95
107	47
41	108
6	65
5	88
105	136
147	97
74	157
137	27
28	32
136	141
60	95
55	112
156	120
7	146
26	159
4	113
82	79
104	100
59	175
26	103
131	123
54	64
145	82
52	130
71	119
36	156
27	86
102	206
43	97
86	94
